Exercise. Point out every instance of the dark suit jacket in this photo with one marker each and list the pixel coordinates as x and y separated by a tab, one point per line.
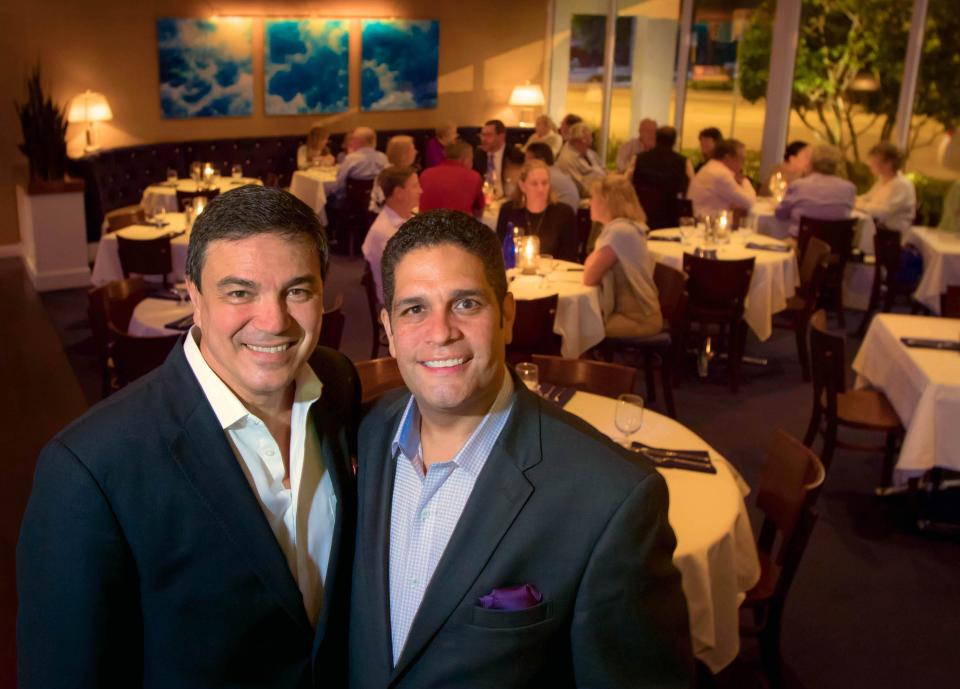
480	162
557	229
145	558
660	178
557	506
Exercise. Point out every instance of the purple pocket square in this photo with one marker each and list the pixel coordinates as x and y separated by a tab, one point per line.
512	598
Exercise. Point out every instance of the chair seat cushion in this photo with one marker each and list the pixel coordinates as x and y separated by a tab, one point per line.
866	409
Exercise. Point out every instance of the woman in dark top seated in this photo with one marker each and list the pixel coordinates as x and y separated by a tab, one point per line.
532	209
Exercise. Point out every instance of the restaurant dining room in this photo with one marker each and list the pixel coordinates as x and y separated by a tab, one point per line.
680	279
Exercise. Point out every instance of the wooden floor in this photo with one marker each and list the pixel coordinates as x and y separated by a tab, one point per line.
39	395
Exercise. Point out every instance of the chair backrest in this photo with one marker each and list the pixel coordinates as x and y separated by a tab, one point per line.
378	376
886	250
813	272
334	320
145	256
117	220
685	208
598	377
136	356
584	225
533	328
950	302
112	303
184	196
358	195
739	217
790	479
837	233
717	285
828	360
671	290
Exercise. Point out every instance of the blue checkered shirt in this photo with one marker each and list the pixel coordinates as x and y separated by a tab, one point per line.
427	505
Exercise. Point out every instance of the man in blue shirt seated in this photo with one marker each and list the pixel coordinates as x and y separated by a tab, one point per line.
502	542
363	160
822	194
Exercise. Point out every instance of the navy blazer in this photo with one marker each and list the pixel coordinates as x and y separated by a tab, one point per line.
557	506
145	558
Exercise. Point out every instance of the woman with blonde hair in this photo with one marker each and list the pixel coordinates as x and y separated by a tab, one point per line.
315	152
545	131
401	152
621	249
435	154
533	209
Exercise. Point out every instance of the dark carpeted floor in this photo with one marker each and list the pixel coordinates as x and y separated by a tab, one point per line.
874	603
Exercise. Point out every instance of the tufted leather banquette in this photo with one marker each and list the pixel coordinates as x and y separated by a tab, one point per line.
116	177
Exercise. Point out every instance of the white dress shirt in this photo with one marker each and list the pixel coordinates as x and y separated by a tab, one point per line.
497	168
384	226
714	188
892	202
627	152
302	516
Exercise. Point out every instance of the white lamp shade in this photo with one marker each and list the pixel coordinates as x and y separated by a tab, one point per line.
89	107
527	96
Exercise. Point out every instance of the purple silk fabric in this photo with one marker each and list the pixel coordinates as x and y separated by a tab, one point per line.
511	598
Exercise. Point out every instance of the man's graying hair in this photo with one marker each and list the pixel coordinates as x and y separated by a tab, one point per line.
437	228
249	211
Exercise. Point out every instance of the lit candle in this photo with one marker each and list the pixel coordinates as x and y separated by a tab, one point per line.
207	172
530	254
199	203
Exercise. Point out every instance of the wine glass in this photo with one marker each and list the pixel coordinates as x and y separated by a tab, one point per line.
236	171
688	226
530	375
160	216
628	416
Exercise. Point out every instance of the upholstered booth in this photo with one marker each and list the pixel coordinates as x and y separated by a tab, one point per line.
117	177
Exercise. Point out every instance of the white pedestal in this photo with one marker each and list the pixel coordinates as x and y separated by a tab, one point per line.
53	238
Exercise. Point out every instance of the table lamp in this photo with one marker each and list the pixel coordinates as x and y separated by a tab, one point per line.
89	107
527	97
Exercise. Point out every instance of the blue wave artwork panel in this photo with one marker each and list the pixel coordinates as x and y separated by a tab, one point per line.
306	66
400	62
206	67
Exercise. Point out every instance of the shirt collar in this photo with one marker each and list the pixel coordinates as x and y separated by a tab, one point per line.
407	438
227	407
393	216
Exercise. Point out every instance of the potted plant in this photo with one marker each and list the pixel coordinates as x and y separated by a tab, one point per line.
49	206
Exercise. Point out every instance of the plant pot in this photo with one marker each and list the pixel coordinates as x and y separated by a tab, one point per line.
53	234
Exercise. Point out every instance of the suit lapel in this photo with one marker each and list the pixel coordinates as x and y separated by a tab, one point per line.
498	496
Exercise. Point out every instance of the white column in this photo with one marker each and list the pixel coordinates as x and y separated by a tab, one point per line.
911	70
608	65
783	53
683	66
654	51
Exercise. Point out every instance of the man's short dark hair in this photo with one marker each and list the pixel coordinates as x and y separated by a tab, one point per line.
727	147
793	148
498	126
457	149
249	211
394	177
666	137
437	228
541	151
571	120
711	133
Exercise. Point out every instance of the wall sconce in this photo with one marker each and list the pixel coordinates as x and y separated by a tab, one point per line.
89	107
527	97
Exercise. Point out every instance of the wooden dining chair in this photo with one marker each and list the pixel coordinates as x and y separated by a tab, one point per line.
834	406
378	376
355	218
886	285
146	257
684	208
598	377
839	235
124	217
813	271
113	302
135	356
790	479
584	226
950	302
334	321
378	337
533	329
184	197
717	292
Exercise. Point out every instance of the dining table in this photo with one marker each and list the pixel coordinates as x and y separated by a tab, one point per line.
313	186
716	552
163	195
941	263
152	316
922	384
106	266
775	275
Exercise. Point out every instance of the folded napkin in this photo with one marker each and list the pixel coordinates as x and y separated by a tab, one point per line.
181	324
924	343
556	393
657	238
782	248
691	460
512	598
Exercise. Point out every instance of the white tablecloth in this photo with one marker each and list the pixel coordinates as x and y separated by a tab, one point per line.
716	553
106	267
150	315
775	276
580	309
164	195
941	263
923	385
312	187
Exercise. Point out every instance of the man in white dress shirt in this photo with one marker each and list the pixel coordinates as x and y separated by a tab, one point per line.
196	529
892	200
578	160
720	185
402	191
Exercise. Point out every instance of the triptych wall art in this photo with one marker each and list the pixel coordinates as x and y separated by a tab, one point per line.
206	65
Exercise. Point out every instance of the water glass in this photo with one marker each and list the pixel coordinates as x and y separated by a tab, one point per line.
688	226
159	216
530	375
548	264
628	416
236	171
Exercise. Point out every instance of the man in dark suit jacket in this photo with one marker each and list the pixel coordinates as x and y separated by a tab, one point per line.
196	529
489	155
501	542
660	177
